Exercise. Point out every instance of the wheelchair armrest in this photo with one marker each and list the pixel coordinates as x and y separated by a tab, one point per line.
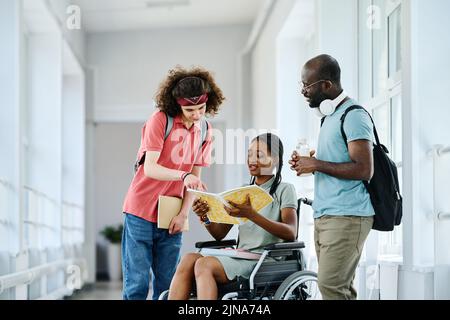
215	244
285	246
284	249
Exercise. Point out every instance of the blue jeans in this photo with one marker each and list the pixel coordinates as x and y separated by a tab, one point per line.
145	248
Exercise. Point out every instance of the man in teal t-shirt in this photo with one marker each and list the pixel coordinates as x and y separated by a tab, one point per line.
343	213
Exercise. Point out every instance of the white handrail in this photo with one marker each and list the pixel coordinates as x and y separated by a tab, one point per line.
436	152
70	228
7	184
6	223
40	225
442	151
28	276
42	195
72	205
439	150
443	216
58	294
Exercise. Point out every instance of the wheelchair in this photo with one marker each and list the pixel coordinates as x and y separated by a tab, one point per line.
284	277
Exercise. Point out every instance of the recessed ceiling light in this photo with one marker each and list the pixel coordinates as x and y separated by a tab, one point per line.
149	4
167	3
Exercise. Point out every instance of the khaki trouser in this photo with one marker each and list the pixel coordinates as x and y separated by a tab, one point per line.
339	242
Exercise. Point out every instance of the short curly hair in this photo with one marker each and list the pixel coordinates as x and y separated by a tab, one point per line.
197	81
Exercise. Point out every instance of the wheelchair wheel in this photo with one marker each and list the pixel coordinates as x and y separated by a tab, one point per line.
164	295
301	285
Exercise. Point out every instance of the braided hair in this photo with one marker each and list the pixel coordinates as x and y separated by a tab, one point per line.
275	147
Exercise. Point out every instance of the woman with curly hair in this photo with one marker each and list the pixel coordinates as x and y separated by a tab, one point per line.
175	145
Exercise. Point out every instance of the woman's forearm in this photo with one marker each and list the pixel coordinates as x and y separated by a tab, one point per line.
189	197
187	204
158	172
218	230
278	229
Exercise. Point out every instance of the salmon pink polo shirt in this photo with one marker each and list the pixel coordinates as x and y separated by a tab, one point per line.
181	151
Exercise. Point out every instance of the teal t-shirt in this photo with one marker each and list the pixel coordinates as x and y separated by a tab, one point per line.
339	197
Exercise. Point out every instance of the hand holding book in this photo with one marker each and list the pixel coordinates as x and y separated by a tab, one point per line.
201	209
244	210
168	215
244	198
191	181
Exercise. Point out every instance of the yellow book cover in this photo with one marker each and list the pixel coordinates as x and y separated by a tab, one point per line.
168	208
258	197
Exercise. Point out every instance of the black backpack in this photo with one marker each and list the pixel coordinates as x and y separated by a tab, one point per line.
384	188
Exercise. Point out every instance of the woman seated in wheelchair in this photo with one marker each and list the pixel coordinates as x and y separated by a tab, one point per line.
275	223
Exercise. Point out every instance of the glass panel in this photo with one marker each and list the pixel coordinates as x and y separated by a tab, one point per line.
397	137
391	244
364	50
380	52
394	22
9	113
381	116
400	179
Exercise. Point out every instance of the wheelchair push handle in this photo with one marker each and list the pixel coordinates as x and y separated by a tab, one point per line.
307	201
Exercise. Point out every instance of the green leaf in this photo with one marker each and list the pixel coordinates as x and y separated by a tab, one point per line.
113	234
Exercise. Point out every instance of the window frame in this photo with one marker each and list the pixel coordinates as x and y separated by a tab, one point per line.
382	99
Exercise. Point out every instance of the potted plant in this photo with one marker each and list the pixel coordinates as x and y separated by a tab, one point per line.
114	236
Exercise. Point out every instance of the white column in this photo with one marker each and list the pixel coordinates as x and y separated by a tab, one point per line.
90	231
337	23
426	114
11	100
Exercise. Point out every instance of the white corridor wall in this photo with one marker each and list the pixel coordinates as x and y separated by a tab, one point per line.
37	253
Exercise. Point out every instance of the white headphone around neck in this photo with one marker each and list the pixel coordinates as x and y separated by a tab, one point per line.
328	107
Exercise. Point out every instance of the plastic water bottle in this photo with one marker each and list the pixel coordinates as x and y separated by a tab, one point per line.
303	150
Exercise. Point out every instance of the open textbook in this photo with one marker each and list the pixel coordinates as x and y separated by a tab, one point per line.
217	213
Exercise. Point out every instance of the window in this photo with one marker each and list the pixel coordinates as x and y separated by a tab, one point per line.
396	131
394	29
9	159
382	116
380	90
40	225
379	49
364	51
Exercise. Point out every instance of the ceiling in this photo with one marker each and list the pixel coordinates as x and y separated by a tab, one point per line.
301	22
120	15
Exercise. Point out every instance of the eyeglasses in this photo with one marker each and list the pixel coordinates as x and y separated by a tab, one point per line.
304	88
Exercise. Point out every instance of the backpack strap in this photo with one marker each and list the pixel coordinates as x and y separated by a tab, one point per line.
344	136
203	134
169	126
350	109
204	131
168	129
